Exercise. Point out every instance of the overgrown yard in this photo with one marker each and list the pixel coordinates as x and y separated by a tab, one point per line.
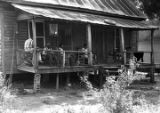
77	100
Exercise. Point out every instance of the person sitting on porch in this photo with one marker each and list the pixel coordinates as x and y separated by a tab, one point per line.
60	55
85	55
48	55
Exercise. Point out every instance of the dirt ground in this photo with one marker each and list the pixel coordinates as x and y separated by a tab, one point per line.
51	99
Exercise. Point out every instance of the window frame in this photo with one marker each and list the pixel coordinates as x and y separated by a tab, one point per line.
37	37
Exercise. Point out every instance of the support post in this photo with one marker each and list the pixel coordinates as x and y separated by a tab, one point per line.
64	58
152	79
89	43
35	59
101	78
123	45
68	80
115	39
57	81
37	82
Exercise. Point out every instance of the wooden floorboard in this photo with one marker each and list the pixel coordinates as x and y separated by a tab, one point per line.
48	69
26	69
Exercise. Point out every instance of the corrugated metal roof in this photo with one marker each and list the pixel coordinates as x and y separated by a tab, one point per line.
118	7
84	17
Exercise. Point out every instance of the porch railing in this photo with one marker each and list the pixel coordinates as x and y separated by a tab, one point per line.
52	58
123	57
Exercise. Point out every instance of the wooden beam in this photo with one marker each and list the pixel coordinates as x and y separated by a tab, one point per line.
2	46
64	58
68	80
152	57
123	45
104	44
37	82
115	39
89	43
57	81
35	60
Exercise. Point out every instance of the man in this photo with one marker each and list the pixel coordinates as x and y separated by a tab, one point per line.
28	48
28	45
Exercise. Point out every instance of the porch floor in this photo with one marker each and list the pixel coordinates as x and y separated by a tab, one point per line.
48	69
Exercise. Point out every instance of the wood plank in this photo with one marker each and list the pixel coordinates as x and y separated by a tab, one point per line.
1	37
57	81
152	58
123	45
89	41
46	69
35	60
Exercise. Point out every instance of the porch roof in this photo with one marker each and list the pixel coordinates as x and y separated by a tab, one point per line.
123	8
84	17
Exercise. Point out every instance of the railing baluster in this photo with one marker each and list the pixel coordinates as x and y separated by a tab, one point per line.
64	57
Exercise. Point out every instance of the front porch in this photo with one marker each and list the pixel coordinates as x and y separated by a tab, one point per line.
106	45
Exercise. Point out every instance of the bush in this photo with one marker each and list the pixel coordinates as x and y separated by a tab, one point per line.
114	97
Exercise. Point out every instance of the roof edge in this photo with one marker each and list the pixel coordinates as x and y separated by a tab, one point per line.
74	9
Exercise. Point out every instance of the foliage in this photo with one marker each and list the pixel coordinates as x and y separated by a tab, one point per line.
114	97
150	7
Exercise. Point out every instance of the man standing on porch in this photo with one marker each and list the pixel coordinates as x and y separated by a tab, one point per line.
28	47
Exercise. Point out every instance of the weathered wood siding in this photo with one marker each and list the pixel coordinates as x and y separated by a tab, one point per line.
78	35
8	38
22	34
1	29
144	44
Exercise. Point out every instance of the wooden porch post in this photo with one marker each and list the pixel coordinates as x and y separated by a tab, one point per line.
89	43
57	81
35	62
123	45
115	39
37	76
37	82
152	79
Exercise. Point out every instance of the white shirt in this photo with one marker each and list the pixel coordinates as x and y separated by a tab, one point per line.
28	45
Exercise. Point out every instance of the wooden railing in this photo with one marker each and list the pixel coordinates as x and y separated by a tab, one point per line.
123	57
53	58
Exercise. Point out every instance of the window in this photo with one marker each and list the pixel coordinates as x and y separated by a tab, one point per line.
53	29
40	32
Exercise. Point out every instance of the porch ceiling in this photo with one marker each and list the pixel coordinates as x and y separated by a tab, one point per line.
84	17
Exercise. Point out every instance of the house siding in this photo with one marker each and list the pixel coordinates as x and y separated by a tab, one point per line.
1	26
8	56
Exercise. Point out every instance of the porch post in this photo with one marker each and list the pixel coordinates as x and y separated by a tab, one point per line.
152	79
89	43
57	81
123	45
115	39
35	62
37	82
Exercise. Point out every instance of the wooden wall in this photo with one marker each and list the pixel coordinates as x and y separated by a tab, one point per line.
8	37
22	34
1	29
79	37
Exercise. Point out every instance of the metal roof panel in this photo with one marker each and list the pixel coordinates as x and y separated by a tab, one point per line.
84	17
117	7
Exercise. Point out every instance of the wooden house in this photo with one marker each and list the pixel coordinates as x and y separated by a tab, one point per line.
107	27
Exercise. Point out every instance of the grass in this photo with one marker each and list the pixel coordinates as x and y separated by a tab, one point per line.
115	97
